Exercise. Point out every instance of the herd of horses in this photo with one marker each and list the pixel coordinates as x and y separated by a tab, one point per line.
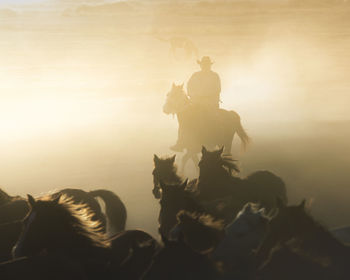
218	226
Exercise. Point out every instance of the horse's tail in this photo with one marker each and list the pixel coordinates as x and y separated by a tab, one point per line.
115	209
242	134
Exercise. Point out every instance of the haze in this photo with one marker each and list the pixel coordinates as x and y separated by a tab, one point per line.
82	89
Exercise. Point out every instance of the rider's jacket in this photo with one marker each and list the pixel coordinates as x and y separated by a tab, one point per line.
204	88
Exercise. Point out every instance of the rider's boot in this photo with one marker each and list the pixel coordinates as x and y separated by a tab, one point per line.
177	147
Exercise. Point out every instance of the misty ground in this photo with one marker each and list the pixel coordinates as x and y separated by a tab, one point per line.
81	99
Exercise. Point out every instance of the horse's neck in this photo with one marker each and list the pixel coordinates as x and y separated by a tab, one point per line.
219	174
172	177
184	108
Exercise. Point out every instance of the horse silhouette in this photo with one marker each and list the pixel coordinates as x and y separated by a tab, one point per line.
216	181
57	225
179	42
15	208
201	126
164	171
293	223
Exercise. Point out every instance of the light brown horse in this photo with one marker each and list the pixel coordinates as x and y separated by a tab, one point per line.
201	126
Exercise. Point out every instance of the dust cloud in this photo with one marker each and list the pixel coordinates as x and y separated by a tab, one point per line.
82	84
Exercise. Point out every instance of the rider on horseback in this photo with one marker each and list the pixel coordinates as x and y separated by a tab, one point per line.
204	89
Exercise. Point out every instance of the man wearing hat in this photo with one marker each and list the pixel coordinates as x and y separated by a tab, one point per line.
204	89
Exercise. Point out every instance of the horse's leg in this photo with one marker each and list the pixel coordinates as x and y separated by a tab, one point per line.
228	144
195	160
185	159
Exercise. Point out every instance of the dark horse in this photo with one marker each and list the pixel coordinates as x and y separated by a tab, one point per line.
57	226
14	208
293	225
201	126
216	181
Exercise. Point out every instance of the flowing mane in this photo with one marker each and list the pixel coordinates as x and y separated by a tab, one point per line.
79	216
59	224
228	162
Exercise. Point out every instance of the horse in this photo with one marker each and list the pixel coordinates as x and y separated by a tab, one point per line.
164	170
176	260
15	208
201	126
58	226
242	236
216	181
178	42
294	223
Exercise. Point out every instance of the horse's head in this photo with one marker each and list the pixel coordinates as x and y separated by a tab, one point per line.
214	160
176	100
174	198
250	220
289	222
38	228
164	170
57	223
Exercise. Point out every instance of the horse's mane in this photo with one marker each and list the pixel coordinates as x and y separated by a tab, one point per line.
229	163
79	217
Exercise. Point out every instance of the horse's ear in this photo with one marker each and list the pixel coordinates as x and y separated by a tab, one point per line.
31	200
172	159
221	150
204	150
302	204
156	159
280	203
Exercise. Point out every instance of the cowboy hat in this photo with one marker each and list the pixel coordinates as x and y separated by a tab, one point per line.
205	60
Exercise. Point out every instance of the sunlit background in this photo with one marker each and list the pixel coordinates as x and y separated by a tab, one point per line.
82	84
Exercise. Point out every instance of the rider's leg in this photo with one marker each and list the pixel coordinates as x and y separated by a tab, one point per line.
179	146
